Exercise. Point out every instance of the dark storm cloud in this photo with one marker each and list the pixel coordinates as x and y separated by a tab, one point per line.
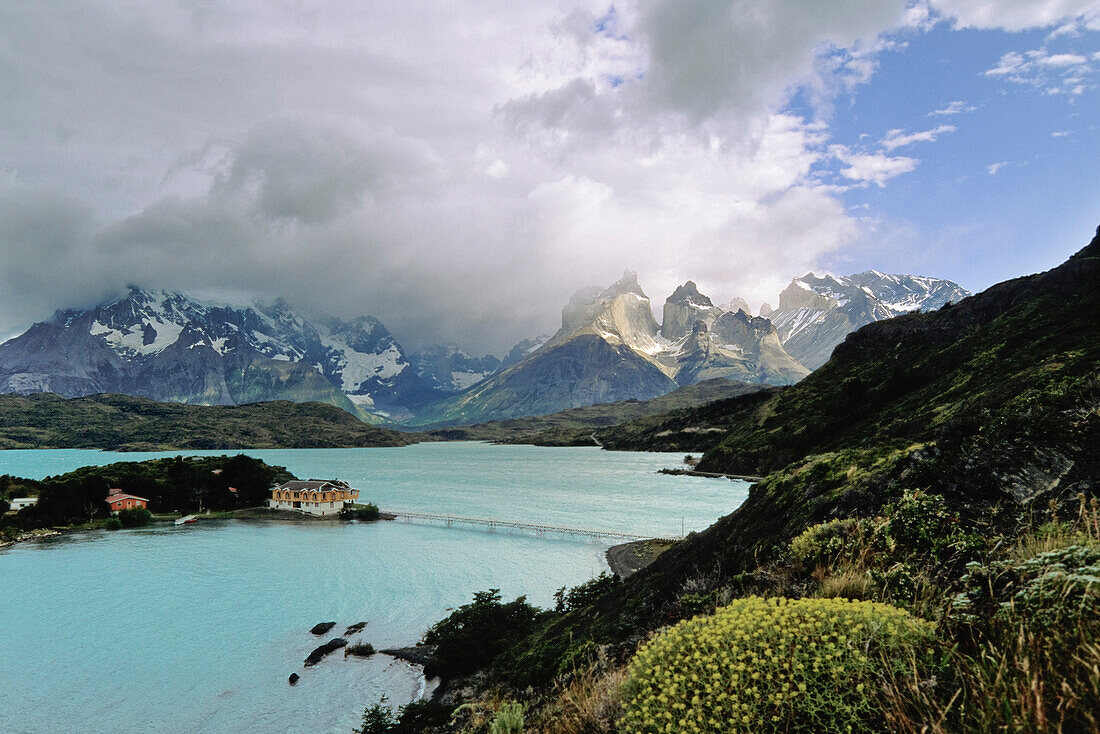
455	171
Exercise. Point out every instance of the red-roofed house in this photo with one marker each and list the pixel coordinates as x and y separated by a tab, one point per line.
117	501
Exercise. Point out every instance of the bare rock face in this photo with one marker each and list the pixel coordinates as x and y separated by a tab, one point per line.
737	304
322	627
684	308
620	313
717	342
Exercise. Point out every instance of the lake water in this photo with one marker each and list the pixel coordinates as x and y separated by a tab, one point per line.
196	628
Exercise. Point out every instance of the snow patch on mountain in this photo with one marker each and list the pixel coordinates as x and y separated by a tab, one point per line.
357	357
816	313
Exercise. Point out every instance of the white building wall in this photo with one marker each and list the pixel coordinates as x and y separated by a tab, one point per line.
310	508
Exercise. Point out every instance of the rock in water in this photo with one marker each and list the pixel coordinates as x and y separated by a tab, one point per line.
357	627
322	627
293	679
331	646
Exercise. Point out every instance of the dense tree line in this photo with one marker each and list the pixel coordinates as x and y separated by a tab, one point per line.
179	484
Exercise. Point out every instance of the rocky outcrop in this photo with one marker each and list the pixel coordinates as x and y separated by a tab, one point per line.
422	655
321	628
329	647
684	308
721	343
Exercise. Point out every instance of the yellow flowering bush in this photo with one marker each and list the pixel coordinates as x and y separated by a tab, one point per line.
761	665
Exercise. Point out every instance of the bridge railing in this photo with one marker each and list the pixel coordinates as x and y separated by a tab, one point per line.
537	528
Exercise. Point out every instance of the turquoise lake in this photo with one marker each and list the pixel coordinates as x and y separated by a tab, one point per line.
196	628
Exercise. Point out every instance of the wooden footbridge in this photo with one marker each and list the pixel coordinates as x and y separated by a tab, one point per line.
507	525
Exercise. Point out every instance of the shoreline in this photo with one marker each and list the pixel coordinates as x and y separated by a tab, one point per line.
246	513
710	475
626	559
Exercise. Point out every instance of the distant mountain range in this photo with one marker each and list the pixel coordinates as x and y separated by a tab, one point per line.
611	348
815	314
172	347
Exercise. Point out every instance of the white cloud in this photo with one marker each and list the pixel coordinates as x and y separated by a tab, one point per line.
993	168
953	108
1052	73
719	56
1018	15
876	168
1061	133
459	177
900	139
1062	60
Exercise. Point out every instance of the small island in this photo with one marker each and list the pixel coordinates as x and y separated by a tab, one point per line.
134	493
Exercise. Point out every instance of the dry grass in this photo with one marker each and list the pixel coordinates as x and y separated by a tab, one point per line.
1022	677
1083	530
846	582
590	703
1011	685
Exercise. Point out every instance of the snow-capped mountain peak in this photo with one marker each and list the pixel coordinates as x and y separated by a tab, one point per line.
149	328
816	313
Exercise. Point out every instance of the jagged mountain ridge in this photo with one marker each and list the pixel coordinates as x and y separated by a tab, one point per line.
816	313
611	348
169	346
448	369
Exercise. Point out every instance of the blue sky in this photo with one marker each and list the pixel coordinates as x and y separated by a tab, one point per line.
459	169
1011	189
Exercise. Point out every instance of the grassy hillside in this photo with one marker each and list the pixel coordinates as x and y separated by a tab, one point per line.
689	428
944	464
121	422
575	427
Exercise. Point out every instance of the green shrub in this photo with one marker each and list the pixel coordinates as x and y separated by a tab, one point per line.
360	650
770	665
477	632
112	523
921	524
413	718
823	542
135	517
366	512
584	594
1055	589
1030	628
378	718
422	715
508	719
